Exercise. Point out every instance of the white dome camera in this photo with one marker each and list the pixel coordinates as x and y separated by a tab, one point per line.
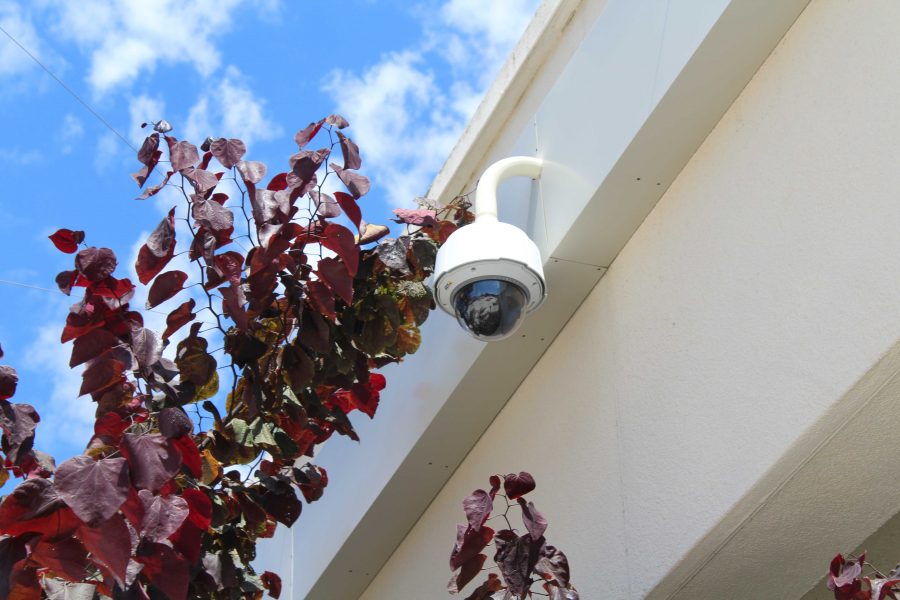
489	274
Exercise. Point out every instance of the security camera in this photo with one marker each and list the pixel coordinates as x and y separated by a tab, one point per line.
489	274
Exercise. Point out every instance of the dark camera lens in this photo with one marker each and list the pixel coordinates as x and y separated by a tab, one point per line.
490	309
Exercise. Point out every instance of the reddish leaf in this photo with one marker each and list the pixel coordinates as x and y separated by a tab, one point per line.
278	183
469	543
321	299
228	151
466	573
495	485
110	427
251	171
146	345
179	317
515	556
309	132
163	515
96	263
369	233
153	459
190	455
201	180
304	165
340	240
350	151
100	375
165	569
110	544
333	273
212	215
148	149
477	506
188	538
158	251
164	287
67	240
93	489
34	505
18	422
350	207
518	485
9	380
155	189
534	521
553	565
312	481
326	207
233	301
337	120
420	217
358	185
66	280
91	345
174	422
486	590
272	583
182	154
65	558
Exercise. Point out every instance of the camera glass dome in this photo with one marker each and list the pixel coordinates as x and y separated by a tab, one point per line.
490	309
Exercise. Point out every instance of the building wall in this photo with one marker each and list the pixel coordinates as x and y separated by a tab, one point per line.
761	287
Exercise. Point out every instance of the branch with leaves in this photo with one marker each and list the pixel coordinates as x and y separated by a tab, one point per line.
302	309
848	579
522	560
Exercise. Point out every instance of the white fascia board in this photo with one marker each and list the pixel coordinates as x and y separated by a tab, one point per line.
606	92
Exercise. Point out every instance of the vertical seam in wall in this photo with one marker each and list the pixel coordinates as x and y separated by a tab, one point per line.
621	470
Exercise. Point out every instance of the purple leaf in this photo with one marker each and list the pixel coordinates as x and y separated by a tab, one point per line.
110	544
309	132
518	485
478	507
203	181
9	380
146	345
212	215
228	151
515	557
553	565
358	185
348	204
96	264
183	155
420	217
174	422
337	120
251	171
334	274
466	573
163	515
326	207
158	251
153	459
350	151
67	240
534	521
93	489
469	543
164	287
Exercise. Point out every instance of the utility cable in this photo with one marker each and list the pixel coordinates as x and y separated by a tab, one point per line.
72	92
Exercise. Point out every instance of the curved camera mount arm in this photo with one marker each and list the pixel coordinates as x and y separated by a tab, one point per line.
486	190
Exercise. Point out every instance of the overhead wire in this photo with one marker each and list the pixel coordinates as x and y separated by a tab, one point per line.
71	92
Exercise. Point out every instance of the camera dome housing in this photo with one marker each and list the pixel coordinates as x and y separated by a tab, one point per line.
489	276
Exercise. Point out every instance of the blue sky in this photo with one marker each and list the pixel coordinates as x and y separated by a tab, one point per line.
406	74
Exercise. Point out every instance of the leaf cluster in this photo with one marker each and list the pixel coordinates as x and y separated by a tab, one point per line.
522	560
849	581
306	310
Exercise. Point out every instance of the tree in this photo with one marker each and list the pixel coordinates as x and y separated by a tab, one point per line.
305	311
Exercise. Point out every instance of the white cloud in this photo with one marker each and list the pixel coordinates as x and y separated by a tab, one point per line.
129	37
107	150
18	24
143	109
404	118
17	156
63	413
70	132
230	109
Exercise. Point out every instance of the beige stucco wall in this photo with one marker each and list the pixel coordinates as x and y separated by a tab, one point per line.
761	287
